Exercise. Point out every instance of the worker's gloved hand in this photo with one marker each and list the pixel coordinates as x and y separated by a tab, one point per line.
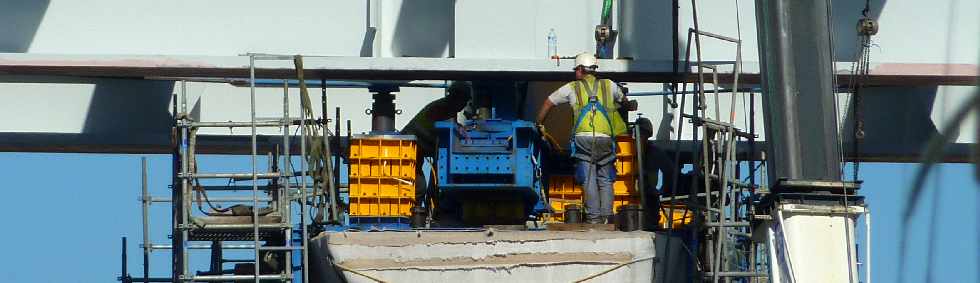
547	138
461	130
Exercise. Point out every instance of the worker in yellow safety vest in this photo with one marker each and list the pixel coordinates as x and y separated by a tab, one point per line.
595	103
422	126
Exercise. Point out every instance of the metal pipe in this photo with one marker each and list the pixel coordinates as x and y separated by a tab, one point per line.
714	81
268	57
174	181
151	279
736	71
255	176
867	245
705	168
223	278
244	176
146	218
305	199
185	184
124	272
217	199
641	180
285	202
723	188
714	35
289	248
698	104
331	186
236	187
203	247
334	84
271	123
736	274
666	93
336	161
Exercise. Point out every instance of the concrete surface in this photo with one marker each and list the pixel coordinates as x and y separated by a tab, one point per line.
485	256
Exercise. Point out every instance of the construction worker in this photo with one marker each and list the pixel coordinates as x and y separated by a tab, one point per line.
426	137
595	103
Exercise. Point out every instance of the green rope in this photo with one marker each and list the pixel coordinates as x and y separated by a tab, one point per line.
606	11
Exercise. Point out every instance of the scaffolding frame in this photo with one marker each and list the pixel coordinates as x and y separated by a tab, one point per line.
722	206
281	197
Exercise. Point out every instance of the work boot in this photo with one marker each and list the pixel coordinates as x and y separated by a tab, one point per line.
595	220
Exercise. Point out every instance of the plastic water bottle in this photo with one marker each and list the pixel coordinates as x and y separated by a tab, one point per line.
552	44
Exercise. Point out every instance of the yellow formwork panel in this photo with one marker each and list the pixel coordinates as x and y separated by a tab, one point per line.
382	148
381	206
564	187
382	176
365	168
625	156
682	216
381	187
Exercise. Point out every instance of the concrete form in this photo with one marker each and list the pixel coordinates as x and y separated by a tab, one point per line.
486	256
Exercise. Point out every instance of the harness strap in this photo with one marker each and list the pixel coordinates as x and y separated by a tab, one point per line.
592	104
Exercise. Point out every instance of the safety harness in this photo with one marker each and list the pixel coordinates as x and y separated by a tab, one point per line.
592	106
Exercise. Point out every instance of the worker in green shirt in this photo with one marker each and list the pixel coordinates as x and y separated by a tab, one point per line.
422	126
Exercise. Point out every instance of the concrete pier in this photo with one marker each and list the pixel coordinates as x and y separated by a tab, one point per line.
483	256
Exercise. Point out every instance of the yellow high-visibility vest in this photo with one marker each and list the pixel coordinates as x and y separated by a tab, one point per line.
604	117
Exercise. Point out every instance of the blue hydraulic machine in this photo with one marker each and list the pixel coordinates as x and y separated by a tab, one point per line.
488	167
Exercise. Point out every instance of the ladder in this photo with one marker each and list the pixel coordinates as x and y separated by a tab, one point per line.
722	205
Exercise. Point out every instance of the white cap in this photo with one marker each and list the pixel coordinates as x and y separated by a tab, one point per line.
586	60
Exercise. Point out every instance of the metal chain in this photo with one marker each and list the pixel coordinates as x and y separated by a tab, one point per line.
866	28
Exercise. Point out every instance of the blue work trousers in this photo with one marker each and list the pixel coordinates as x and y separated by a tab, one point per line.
595	170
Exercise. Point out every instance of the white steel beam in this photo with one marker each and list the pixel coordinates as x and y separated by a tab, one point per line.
409	68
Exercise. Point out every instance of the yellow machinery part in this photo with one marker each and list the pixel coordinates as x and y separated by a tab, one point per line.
382	176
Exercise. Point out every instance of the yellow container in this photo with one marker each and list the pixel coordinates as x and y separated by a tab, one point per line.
564	187
625	156
563	191
383	147
382	187
367	168
558	206
381	207
382	176
682	216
